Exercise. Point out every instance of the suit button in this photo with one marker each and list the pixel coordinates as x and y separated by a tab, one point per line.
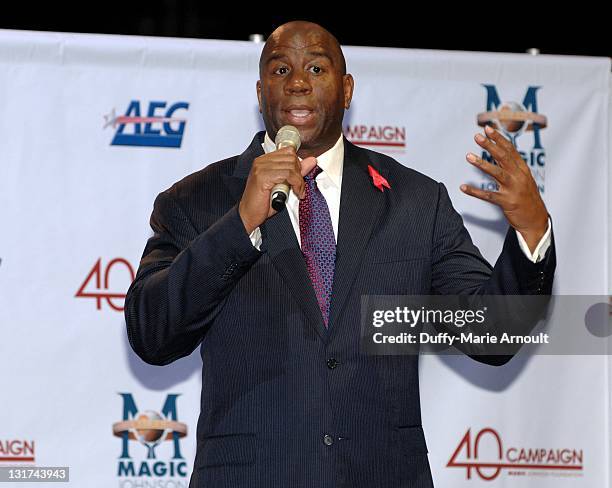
328	440
332	363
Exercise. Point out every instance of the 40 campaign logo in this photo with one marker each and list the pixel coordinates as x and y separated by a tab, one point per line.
97	283
16	451
485	456
150	429
514	119
160	127
379	137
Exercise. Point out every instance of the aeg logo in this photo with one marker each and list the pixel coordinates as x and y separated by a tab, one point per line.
161	129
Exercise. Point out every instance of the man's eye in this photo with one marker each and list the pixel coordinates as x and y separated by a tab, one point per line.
281	71
315	69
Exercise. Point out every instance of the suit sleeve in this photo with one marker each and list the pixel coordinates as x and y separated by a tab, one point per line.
459	268
183	280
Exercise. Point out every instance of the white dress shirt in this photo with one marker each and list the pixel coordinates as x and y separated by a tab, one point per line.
329	182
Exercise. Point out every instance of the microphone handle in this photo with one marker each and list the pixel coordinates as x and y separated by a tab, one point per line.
279	195
280	192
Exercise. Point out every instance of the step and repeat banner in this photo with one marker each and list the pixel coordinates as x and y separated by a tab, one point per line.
94	127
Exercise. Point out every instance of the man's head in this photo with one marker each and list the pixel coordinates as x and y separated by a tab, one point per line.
303	82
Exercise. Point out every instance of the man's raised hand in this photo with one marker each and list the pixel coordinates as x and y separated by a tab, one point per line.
518	195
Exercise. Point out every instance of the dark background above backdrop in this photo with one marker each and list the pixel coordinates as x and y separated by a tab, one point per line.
384	25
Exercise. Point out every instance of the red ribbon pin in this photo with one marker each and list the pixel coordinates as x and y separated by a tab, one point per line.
377	179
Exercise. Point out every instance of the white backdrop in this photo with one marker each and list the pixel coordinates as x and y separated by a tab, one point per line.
74	210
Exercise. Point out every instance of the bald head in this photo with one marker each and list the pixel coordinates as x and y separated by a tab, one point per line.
301	35
303	82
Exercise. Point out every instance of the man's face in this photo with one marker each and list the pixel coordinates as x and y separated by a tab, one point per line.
303	84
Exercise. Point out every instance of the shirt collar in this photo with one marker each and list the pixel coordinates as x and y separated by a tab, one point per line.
331	161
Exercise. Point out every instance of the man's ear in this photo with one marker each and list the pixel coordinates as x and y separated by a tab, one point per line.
348	84
258	87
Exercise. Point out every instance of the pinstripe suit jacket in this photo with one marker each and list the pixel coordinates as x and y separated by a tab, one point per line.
286	402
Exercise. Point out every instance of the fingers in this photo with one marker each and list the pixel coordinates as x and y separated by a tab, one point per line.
296	178
487	196
283	165
491	147
307	165
267	171
492	170
499	139
273	176
296	181
498	146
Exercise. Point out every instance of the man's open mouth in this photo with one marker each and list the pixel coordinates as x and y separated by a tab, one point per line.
299	116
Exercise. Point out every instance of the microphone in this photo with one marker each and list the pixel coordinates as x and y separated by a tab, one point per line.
287	135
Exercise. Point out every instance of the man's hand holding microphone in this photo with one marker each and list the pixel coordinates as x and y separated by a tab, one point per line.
270	178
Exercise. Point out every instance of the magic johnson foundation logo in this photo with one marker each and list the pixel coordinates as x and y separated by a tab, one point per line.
484	455
386	138
107	284
514	119
158	460
160	124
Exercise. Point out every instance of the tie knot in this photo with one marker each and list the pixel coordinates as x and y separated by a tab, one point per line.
314	172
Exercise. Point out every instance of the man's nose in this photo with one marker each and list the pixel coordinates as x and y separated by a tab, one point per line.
298	83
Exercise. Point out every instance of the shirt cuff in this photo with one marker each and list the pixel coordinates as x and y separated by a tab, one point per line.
255	237
541	248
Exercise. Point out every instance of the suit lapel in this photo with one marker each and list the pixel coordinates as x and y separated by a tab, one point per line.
280	242
237	180
282	246
361	204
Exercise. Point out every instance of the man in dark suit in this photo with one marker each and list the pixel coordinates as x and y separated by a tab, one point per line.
274	298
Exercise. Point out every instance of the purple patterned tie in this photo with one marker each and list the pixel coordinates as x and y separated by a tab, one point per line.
318	242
